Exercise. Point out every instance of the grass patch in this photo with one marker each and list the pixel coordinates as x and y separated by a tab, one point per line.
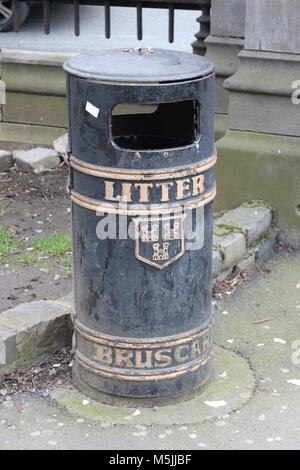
9	243
56	246
53	246
67	262
68	272
28	259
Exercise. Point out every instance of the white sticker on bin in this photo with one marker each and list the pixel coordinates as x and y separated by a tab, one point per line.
93	110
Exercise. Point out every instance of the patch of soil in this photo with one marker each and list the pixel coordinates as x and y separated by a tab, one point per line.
56	371
35	206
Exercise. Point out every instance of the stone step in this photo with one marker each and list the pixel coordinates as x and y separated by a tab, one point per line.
241	235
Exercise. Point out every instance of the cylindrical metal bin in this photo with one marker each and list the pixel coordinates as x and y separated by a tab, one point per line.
141	146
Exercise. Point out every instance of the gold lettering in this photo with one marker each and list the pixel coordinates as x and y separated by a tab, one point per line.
144	191
126	191
195	349
103	354
198	185
165	187
183	189
109	191
162	356
123	358
143	364
178	356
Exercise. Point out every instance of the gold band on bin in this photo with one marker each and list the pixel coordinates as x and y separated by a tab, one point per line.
122	209
140	343
133	375
142	175
136	346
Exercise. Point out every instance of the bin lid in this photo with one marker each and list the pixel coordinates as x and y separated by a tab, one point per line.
139	65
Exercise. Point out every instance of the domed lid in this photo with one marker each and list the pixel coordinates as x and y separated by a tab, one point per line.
139	65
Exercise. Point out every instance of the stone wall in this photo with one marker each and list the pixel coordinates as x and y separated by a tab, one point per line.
259	156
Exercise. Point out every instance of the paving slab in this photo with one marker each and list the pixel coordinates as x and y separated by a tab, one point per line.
31	330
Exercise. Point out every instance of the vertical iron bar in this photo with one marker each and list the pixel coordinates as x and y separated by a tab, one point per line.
171	22
107	18
139	19
16	12
46	17
76	18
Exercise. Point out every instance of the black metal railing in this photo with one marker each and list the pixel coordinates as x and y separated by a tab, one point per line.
172	5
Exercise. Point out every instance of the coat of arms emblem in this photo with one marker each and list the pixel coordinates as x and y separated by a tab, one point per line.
159	240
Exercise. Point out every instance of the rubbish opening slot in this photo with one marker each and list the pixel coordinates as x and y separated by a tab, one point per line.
155	126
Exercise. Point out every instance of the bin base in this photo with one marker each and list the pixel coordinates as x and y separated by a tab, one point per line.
118	393
189	409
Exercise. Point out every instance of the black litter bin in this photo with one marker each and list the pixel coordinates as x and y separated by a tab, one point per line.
141	146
